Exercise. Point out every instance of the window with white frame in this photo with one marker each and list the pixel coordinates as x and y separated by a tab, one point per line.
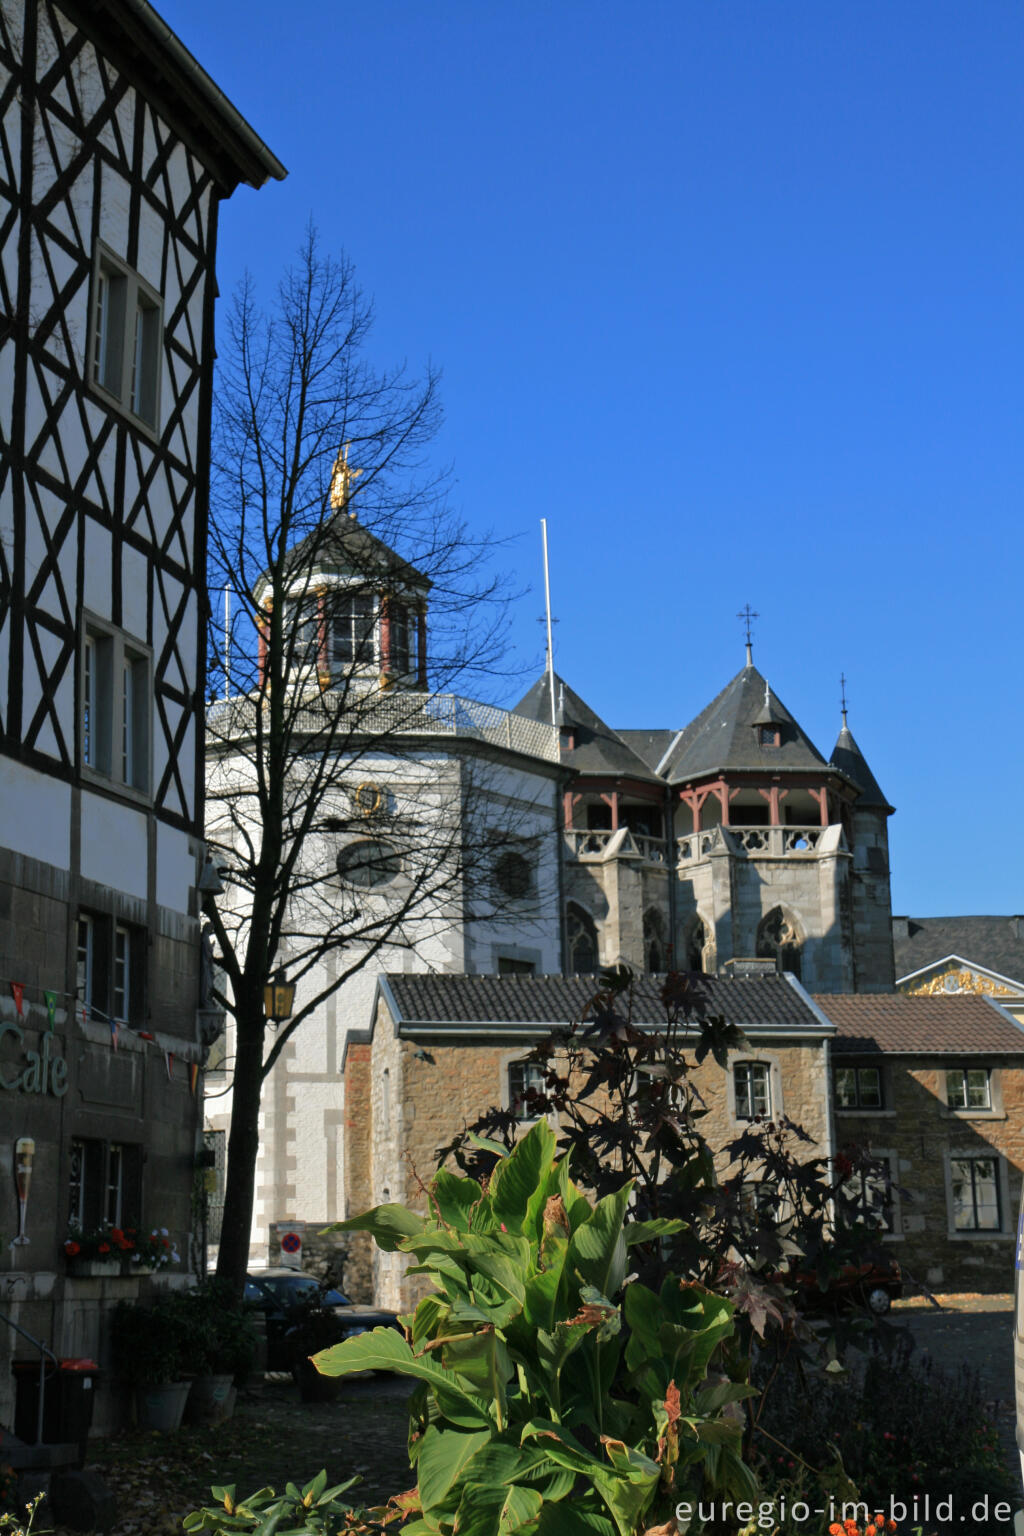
869	1196
115	716
353	628
858	1087
110	969
525	1078
127	333
752	1089
974	1186
968	1088
104	1183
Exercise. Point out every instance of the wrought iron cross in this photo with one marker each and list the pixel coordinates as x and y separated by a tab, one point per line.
746	617
842	700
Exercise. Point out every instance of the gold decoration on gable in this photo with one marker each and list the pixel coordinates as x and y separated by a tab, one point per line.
954	981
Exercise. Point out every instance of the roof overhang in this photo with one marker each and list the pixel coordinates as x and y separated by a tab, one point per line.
138	40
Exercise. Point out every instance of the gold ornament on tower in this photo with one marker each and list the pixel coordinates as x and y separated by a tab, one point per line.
341	481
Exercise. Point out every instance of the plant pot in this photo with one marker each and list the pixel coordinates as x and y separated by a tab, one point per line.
106	1269
314	1388
161	1407
140	1269
211	1400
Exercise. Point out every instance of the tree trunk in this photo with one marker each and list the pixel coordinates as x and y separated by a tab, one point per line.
243	1146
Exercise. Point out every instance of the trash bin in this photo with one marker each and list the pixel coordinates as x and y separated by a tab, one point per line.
69	1393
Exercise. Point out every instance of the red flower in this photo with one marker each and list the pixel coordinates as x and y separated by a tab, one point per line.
166	1242
104	1247
71	1248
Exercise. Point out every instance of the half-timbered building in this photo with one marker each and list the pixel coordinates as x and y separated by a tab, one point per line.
116	150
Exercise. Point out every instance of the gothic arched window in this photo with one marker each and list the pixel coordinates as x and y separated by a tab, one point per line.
654	941
778	938
698	951
581	941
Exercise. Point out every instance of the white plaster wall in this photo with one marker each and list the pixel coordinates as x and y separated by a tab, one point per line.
114	847
35	814
175	868
302	1148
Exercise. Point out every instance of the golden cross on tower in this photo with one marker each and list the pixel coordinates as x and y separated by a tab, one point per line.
341	480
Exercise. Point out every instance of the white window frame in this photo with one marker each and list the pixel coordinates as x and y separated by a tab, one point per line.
972	1155
116	713
858	1107
967	1108
746	1067
126	340
535	1074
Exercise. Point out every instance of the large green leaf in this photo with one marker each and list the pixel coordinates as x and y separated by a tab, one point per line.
569	1519
383	1349
598	1248
443	1456
387	1224
490	1511
455	1199
517	1178
646	1231
482	1360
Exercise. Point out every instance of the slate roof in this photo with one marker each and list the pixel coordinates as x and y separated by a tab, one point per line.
997	943
723	734
598	748
849	759
650	745
893	1023
766	1004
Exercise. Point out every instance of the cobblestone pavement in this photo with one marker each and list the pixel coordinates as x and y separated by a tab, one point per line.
976	1331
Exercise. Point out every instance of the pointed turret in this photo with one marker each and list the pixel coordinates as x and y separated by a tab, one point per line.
588	745
849	759
732	733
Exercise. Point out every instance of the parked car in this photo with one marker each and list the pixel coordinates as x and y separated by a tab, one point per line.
284	1296
874	1285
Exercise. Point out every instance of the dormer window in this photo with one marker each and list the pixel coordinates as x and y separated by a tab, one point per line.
768	736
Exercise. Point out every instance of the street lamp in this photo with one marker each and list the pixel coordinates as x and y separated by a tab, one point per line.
278	998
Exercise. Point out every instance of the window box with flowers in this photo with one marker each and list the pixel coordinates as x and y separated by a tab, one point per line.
96	1253
151	1251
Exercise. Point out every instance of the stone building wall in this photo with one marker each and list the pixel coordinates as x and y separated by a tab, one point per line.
437	1087
918	1134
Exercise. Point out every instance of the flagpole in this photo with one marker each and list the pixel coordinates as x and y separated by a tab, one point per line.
547	608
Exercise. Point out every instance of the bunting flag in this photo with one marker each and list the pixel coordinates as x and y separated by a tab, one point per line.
85	1014
51	1008
115	1030
193	1076
169	1064
18	993
145	1034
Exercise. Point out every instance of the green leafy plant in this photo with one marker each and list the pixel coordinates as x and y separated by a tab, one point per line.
556	1393
215	1330
314	1510
150	1345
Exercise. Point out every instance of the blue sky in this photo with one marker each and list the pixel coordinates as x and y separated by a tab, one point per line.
731	294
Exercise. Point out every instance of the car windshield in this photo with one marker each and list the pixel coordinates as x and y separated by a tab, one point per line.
291	1290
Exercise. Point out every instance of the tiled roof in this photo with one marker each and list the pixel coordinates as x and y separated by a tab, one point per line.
997	943
598	749
887	1022
723	734
760	1003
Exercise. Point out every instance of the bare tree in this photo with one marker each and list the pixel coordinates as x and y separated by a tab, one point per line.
333	539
